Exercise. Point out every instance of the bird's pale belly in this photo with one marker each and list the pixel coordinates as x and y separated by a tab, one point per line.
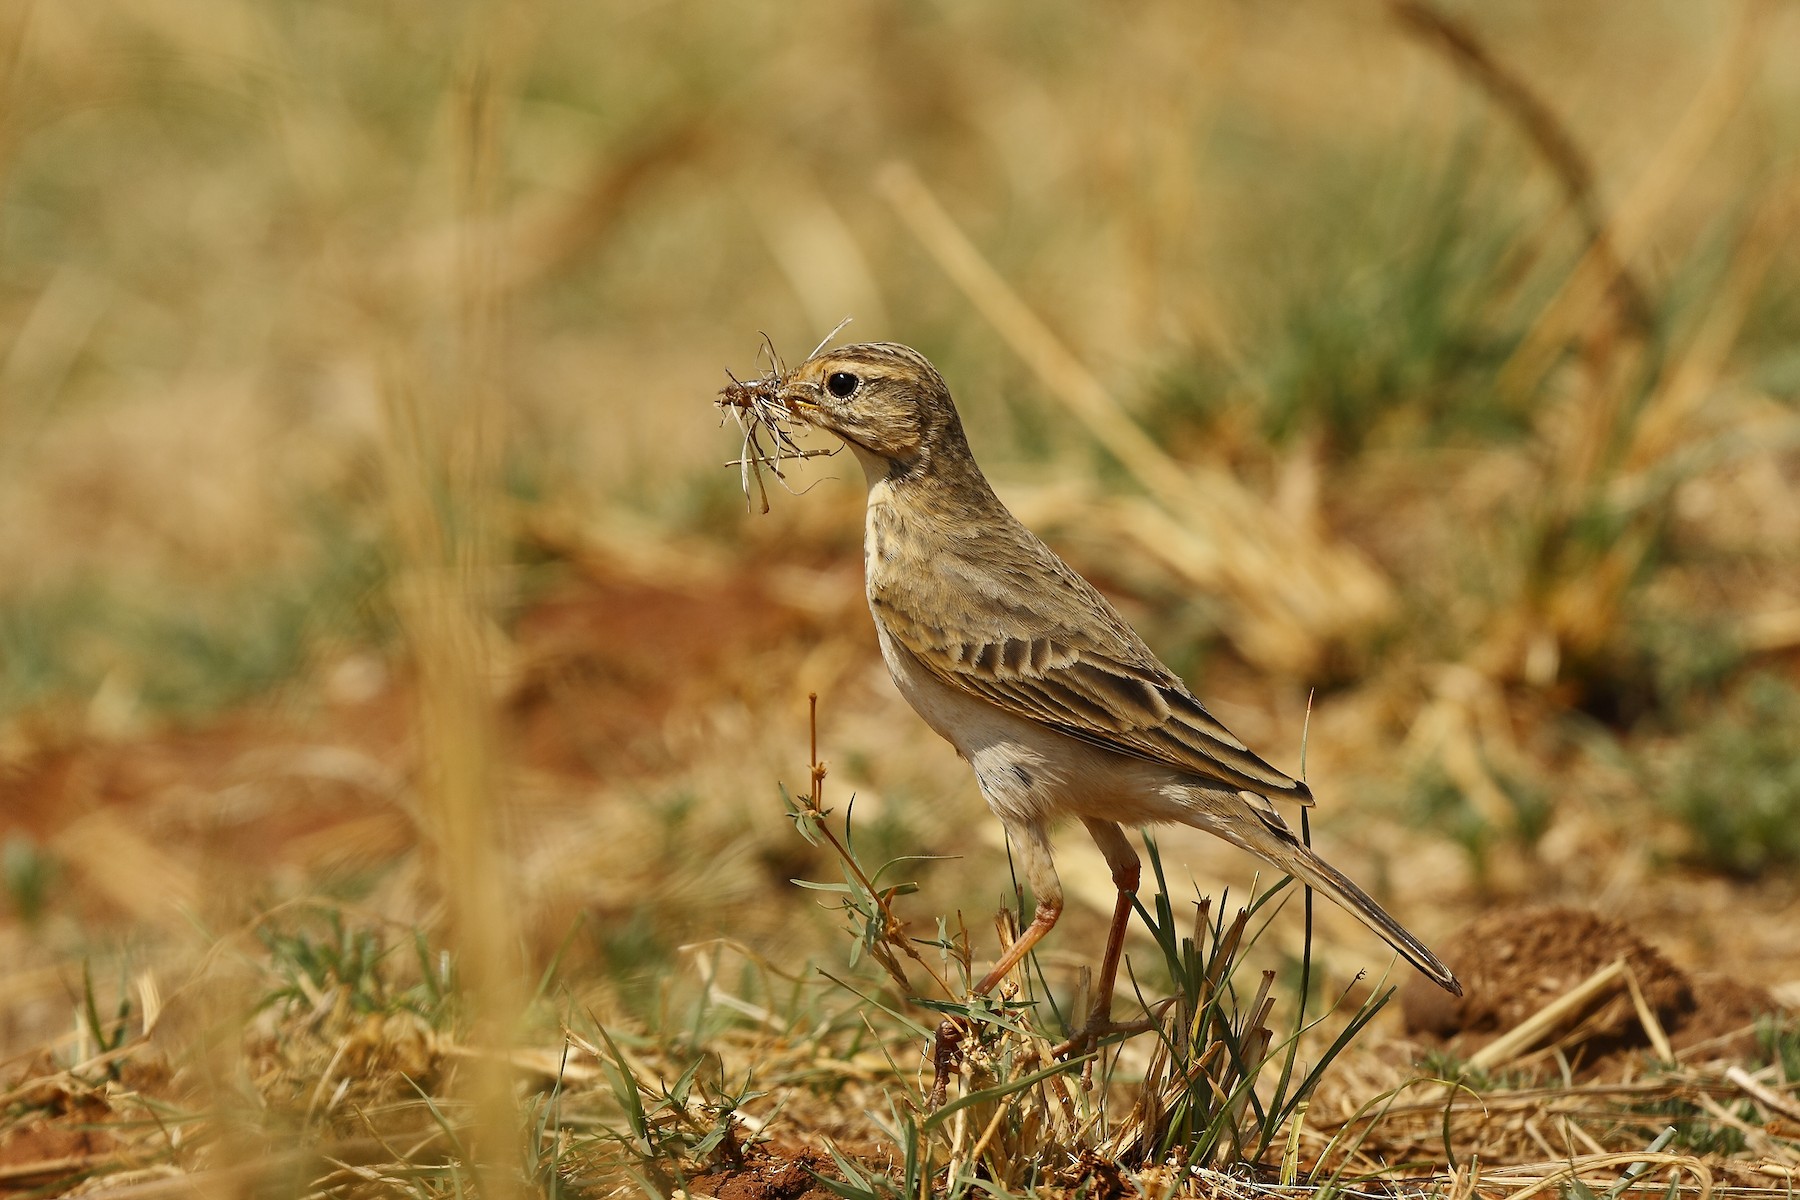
1031	775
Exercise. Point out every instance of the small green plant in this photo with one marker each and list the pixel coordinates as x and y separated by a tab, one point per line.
29	873
1208	1097
1698	1131
867	905
1738	786
663	1132
1778	1040
1445	1064
328	961
104	1038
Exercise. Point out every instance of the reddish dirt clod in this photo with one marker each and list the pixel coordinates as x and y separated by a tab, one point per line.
769	1175
1514	962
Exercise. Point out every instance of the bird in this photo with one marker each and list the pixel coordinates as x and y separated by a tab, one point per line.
1006	652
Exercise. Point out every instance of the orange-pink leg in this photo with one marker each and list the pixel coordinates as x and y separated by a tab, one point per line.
1049	909
1125	872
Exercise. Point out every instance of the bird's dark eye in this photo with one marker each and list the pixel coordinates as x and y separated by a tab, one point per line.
841	384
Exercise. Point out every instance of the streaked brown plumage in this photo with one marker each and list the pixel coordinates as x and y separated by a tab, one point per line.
1005	651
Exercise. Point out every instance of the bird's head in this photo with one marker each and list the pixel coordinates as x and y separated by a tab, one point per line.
887	403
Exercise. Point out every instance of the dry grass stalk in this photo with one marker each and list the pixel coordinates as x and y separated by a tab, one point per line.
1294	593
1634	218
1577	1098
1549	1018
1459	42
1665	425
1525	1136
1667	438
1764	1095
1653	1028
443	452
1576	1167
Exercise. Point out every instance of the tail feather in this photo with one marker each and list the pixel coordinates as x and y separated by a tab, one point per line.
1281	849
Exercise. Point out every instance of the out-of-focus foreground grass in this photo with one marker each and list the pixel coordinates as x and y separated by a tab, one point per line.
365	544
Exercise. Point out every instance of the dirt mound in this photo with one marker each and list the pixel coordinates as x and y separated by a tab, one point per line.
1513	963
769	1176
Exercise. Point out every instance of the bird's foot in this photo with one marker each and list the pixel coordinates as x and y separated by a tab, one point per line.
1089	1036
1098	1028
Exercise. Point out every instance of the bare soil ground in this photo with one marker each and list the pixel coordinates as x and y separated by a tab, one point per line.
600	700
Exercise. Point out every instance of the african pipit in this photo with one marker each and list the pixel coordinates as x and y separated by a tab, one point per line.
1021	665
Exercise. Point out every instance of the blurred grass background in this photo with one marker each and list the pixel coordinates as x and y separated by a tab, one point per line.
355	365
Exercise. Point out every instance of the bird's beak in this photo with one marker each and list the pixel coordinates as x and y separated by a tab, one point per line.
795	401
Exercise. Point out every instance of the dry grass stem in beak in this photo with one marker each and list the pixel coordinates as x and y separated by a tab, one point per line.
761	414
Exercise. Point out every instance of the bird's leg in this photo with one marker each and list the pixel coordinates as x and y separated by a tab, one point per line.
1031	849
1125	872
1115	948
1031	845
1049	909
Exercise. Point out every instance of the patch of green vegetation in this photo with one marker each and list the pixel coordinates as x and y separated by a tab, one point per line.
321	956
1778	1041
29	873
1697	1131
1686	661
187	653
1403	352
666	1130
636	952
1737	787
1221	1087
1218	1115
1442	1063
1437	802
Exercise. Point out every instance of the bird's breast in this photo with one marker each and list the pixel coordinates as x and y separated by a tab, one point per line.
895	556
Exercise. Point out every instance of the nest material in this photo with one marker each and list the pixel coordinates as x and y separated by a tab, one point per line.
767	424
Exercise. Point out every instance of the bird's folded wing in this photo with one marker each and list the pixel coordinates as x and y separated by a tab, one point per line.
1091	679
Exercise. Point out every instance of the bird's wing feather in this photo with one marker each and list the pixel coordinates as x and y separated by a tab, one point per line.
1035	639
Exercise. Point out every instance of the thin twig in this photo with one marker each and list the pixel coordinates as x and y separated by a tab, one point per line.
893	930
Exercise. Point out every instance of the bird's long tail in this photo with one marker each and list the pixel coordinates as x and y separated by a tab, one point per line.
1280	848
